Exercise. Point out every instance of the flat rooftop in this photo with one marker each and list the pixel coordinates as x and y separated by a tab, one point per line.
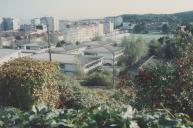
98	43
36	44
7	52
65	58
67	48
103	49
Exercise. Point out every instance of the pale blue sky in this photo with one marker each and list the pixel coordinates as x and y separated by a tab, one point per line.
79	9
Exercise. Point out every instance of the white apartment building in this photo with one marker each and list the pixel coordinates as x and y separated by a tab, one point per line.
37	27
82	33
107	52
108	27
72	64
35	22
9	54
64	24
52	22
25	28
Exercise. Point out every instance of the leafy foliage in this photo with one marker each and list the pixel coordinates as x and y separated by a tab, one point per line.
182	17
140	28
75	96
102	116
158	83
162	119
165	29
134	49
99	79
24	82
170	84
61	43
44	117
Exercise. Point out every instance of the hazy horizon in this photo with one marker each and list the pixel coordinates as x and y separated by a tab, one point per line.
88	9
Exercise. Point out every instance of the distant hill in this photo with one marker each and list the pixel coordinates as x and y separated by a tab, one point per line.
181	17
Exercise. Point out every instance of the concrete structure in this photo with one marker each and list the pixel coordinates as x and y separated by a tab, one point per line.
8	55
53	23
25	28
40	29
71	49
34	47
7	41
72	64
64	24
108	27
35	22
101	29
106	52
10	24
94	44
155	27
128	27
117	20
37	26
82	33
1	24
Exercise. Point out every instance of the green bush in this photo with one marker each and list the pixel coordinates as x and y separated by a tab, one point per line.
170	83
162	119
75	96
135	49
98	79
24	82
99	117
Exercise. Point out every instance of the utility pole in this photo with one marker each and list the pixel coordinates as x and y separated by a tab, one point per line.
113	77
29	36
113	69
115	29
49	46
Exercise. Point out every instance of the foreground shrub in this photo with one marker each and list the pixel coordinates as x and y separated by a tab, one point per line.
162	119
75	96
24	82
98	79
170	83
99	117
164	85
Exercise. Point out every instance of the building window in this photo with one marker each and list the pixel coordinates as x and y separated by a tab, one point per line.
27	47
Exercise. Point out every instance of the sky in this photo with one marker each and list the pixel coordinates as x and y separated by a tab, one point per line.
80	9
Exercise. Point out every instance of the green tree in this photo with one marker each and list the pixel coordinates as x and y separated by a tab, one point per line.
189	27
61	43
140	28
170	83
153	47
165	29
135	49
